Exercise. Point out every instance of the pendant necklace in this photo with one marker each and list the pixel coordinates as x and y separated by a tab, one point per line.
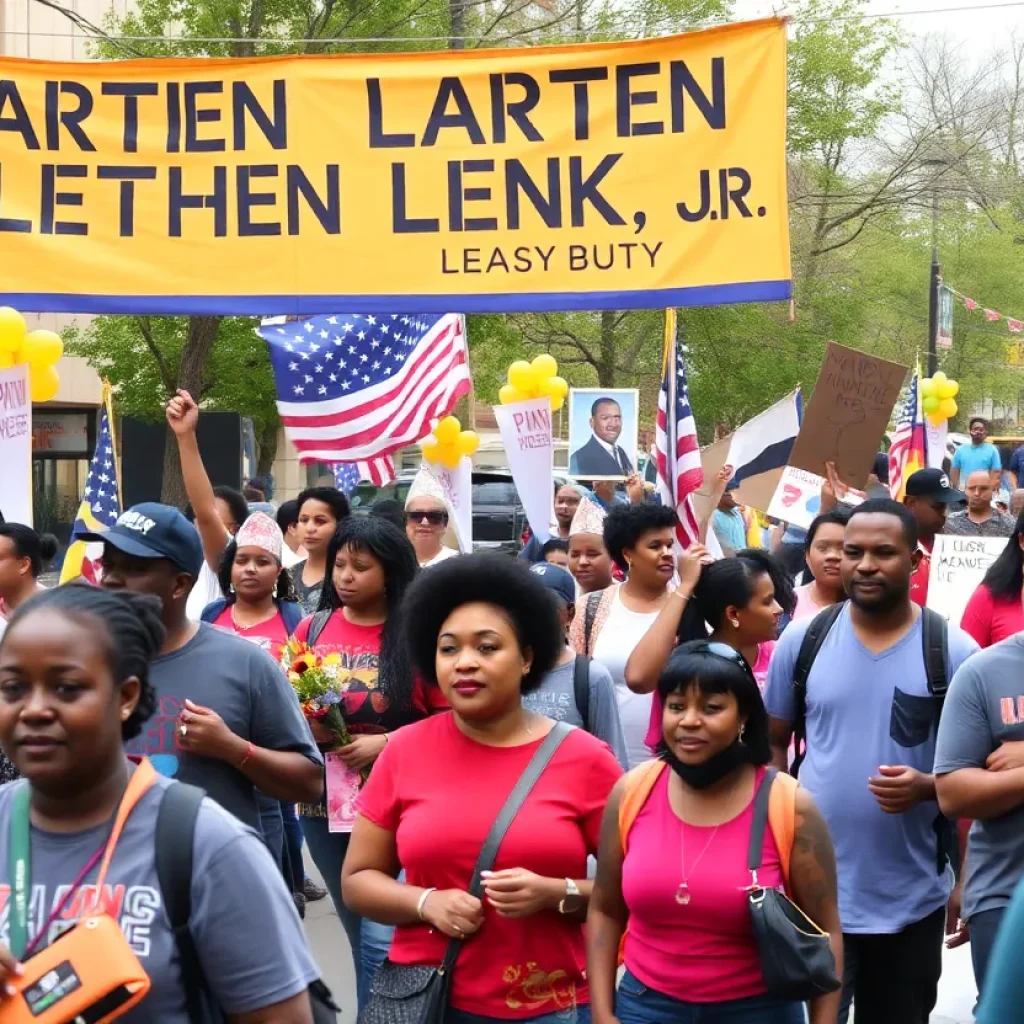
683	892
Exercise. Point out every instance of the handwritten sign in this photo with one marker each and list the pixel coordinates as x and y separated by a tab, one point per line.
847	414
797	499
526	434
16	445
958	565
457	485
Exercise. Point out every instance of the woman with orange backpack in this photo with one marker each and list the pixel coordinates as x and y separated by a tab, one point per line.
716	880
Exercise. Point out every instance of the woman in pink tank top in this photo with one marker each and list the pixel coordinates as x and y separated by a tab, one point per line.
679	889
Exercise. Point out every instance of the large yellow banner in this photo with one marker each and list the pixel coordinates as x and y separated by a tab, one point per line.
613	175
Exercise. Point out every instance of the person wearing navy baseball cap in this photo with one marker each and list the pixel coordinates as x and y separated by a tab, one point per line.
577	690
227	719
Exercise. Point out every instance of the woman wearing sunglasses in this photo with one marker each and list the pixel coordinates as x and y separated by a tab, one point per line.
426	519
676	884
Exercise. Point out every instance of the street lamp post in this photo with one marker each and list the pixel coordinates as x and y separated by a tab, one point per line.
933	290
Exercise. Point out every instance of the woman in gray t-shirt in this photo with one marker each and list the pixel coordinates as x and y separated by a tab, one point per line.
74	683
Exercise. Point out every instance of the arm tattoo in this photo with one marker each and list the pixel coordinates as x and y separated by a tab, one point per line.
814	866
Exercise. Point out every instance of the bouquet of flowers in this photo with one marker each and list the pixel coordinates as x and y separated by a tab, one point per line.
314	679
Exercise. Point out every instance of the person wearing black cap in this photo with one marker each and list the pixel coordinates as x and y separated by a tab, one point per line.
577	690
928	495
227	720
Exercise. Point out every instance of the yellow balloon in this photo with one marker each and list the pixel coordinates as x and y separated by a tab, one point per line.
12	329
450	457
509	395
947	408
544	366
952	389
431	451
447	430
557	401
939	379
927	387
43	383
521	376
42	348
6	360
555	387
467	442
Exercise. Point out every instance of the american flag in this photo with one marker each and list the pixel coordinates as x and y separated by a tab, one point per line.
355	388
680	472
101	502
907	452
378	472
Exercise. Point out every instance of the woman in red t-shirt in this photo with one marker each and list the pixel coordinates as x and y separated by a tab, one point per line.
682	883
995	610
259	601
486	630
372	565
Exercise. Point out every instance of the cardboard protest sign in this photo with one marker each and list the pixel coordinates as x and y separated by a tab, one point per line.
958	565
847	414
16	445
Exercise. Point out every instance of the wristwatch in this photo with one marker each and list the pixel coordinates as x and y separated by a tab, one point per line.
573	900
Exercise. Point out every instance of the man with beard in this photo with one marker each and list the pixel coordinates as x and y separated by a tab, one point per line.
870	720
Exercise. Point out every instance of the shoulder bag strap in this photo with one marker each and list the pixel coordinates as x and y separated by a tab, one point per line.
175	829
506	815
809	647
760	821
316	627
581	687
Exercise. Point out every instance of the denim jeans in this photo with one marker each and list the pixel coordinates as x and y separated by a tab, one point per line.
296	874
638	1004
376	942
328	851
574	1015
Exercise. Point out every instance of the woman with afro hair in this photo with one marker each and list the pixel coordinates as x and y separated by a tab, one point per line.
485	630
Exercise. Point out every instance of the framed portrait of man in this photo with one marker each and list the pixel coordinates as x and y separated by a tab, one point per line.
603	431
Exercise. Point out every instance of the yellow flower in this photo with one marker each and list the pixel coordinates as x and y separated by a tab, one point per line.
332	659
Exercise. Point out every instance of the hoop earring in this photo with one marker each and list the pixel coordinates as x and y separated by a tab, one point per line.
743	735
735	623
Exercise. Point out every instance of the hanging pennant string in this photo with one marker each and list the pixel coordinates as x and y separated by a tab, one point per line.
993	316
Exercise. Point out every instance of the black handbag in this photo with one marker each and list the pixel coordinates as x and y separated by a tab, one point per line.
795	954
403	994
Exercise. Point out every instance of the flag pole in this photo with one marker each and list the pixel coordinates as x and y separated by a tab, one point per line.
108	405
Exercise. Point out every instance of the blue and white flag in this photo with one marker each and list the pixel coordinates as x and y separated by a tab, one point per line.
765	443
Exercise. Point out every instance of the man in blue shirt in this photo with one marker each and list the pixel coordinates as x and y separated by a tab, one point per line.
979	454
871	725
728	523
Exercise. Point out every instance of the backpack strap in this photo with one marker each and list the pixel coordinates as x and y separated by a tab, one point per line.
590	608
291	615
175	830
316	627
581	687
935	638
819	628
639	783
213	609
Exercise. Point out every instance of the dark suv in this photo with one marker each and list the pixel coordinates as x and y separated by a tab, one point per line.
498	516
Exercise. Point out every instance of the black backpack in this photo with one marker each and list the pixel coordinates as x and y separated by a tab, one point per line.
175	829
935	643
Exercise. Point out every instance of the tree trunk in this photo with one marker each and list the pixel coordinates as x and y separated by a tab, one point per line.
457	12
267	446
199	340
606	366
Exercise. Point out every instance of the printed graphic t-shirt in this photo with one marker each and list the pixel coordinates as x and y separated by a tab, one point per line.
511	968
984	709
244	923
270	636
247	689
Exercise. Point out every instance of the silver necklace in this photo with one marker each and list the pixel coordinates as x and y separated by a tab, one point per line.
683	892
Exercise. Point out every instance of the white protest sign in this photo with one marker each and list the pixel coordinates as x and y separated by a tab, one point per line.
526	434
16	445
935	442
958	566
457	485
797	499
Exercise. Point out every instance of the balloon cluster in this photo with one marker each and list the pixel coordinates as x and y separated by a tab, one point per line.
40	349
538	379
448	443
937	398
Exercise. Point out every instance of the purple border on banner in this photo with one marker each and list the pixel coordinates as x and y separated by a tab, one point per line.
308	305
